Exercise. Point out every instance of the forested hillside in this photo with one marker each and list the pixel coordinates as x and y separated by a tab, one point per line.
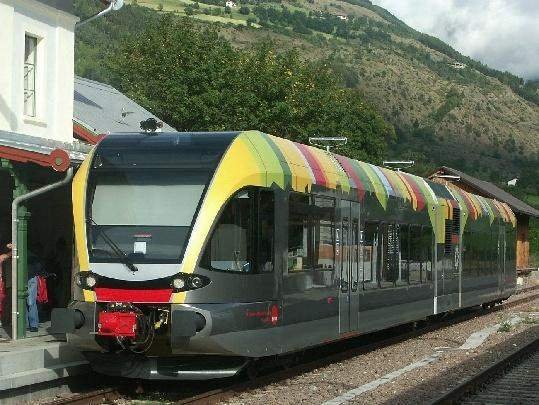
445	107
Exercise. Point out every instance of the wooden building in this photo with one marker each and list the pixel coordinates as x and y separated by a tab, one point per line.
522	210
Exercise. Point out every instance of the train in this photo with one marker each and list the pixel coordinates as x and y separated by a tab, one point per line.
201	253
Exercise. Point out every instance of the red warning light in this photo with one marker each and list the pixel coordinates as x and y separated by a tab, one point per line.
274	314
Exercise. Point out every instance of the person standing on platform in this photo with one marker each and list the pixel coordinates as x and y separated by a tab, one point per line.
3	258
34	268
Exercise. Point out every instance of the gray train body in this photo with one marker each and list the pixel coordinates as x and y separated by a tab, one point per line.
325	266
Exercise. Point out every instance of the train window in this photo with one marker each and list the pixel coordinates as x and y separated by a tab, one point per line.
354	234
427	243
265	231
311	233
416	262
323	222
242	240
467	254
390	254
299	233
448	237
369	248
404	265
230	247
154	218
474	242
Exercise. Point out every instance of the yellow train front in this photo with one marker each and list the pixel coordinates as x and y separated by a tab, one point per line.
199	252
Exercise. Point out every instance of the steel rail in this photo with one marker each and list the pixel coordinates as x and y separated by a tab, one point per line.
486	374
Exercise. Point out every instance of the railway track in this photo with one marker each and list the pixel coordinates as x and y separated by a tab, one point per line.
264	373
513	379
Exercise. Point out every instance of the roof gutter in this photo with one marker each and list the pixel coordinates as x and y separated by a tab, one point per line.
14	240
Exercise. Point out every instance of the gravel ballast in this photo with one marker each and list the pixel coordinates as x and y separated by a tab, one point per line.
419	385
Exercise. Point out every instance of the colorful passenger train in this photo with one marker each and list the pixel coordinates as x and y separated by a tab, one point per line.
199	252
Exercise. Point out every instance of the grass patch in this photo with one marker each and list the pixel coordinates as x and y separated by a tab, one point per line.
178	7
505	326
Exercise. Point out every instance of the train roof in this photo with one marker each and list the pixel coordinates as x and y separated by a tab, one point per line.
292	165
197	150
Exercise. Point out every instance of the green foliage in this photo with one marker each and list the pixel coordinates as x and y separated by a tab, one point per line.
95	42
453	99
195	80
215	2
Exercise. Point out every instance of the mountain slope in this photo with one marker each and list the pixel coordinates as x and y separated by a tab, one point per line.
447	108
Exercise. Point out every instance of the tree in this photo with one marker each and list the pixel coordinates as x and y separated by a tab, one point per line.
195	80
245	10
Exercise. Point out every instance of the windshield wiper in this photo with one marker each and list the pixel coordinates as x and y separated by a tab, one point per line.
115	249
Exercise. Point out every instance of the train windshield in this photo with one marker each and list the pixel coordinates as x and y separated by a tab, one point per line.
146	213
144	192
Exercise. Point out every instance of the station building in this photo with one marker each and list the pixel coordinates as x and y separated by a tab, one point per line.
49	120
522	210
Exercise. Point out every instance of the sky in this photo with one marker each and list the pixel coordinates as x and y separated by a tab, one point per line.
504	34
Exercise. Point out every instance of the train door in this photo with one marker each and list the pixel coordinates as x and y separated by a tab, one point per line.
347	245
501	257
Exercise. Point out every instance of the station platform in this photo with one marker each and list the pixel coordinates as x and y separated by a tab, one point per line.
36	361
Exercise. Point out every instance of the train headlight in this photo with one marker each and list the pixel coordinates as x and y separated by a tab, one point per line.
196	282
187	282
79	280
91	281
86	280
178	283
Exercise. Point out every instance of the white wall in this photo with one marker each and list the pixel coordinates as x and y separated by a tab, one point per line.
54	72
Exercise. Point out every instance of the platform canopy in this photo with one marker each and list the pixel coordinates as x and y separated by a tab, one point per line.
44	152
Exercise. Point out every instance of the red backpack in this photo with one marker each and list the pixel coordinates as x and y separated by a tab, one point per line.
42	295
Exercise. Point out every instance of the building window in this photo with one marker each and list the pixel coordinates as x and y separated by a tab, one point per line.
30	47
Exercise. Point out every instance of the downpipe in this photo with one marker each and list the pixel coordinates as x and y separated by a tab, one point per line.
14	241
113	6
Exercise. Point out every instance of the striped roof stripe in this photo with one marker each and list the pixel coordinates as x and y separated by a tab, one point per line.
292	165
